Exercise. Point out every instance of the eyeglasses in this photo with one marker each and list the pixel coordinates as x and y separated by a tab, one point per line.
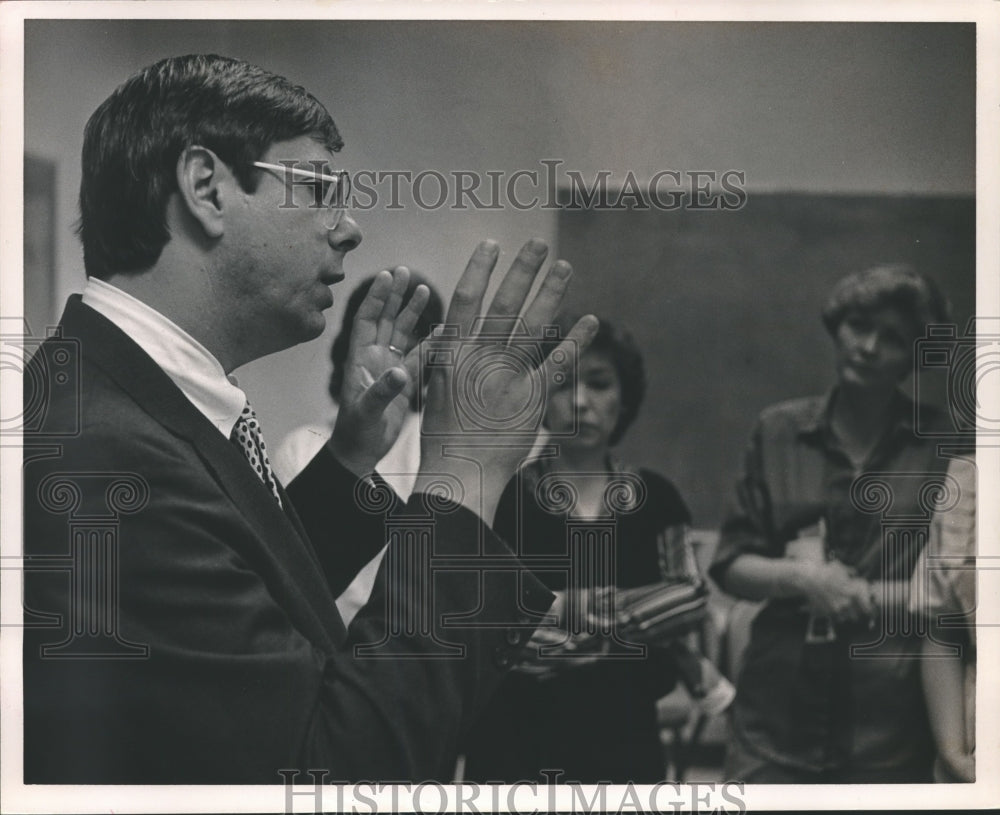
330	192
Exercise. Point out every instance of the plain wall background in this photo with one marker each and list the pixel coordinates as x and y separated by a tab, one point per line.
806	108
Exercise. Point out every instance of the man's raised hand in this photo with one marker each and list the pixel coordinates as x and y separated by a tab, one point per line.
471	374
380	374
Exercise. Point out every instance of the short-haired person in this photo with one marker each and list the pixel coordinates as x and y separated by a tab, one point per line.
807	709
198	640
582	706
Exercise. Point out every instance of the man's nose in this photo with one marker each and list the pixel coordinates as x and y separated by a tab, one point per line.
346	235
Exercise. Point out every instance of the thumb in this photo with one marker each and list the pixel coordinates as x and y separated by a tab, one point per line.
413	361
387	387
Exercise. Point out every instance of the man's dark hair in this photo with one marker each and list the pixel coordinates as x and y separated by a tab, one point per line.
133	140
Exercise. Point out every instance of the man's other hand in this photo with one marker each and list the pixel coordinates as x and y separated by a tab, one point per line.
380	374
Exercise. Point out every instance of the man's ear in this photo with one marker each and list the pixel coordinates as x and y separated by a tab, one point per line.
203	179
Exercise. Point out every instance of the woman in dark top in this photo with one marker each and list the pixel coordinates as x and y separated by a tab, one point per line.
583	708
831	515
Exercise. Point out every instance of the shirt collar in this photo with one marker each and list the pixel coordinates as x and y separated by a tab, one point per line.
815	421
187	362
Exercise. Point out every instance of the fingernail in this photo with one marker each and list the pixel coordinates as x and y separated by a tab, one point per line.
489	245
538	246
562	269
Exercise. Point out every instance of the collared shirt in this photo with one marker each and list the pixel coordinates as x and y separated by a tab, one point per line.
186	361
855	701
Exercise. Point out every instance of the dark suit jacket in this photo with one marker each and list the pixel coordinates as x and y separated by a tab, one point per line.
181	628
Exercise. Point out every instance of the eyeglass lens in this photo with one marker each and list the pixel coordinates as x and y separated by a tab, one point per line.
335	198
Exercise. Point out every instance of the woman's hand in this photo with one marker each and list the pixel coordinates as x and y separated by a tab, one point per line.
833	590
553	649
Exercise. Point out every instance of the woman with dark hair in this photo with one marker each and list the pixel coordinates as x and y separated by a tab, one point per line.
582	705
829	690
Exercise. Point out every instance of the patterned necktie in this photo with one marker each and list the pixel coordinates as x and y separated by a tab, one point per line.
248	437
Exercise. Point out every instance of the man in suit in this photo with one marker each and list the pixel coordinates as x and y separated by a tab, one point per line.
180	616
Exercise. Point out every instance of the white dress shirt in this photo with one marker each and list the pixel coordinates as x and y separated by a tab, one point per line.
186	361
202	380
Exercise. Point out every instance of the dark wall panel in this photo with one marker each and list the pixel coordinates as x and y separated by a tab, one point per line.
725	305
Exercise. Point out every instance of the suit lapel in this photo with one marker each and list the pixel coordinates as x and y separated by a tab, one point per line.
105	345
295	521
